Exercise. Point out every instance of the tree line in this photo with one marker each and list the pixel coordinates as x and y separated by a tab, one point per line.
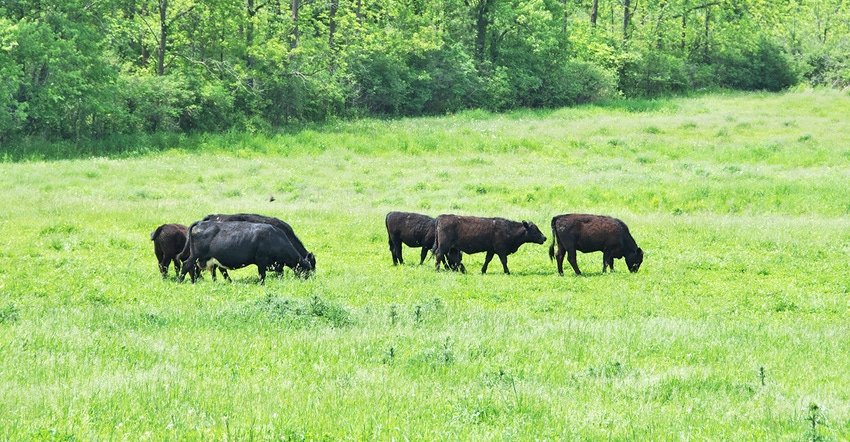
87	69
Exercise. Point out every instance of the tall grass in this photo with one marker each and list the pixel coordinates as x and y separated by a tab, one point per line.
734	329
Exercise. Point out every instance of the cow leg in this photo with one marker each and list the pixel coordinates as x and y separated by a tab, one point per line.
395	249
486	262
225	274
571	257
423	255
504	259
160	261
163	268
439	256
559	258
188	267
607	261
261	269
177	264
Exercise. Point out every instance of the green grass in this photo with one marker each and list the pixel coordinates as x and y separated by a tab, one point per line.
735	328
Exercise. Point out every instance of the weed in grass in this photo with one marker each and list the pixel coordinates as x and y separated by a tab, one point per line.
815	419
295	313
389	356
393	314
9	314
436	357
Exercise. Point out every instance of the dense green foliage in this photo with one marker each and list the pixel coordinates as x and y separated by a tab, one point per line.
735	328
78	70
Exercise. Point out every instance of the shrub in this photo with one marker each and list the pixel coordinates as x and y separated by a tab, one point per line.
157	103
651	73
577	82
763	67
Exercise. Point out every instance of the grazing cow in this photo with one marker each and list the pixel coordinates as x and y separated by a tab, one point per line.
169	241
496	236
236	244
593	233
286	228
417	230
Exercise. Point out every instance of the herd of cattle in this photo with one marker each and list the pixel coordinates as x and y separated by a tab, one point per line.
227	242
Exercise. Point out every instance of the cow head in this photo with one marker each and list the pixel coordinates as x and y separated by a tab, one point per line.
634	260
455	260
305	266
533	234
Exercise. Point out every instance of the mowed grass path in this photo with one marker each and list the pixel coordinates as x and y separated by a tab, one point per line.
735	328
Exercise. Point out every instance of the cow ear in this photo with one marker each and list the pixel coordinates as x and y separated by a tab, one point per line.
525	223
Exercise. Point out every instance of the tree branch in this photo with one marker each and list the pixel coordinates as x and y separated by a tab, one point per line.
697	8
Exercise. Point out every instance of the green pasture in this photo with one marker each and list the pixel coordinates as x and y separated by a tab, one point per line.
735	328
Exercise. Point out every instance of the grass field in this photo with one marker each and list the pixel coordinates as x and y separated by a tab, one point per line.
735	328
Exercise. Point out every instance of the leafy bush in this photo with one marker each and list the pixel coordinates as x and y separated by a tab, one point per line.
577	83
830	68
55	82
763	67
651	73
453	80
157	103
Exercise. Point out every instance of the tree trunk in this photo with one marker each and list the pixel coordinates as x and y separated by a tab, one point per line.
626	18
359	12
594	12
249	34
332	33
332	23
481	15
296	32
163	38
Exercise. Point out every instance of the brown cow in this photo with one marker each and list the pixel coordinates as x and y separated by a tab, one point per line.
168	244
496	236
593	233
416	230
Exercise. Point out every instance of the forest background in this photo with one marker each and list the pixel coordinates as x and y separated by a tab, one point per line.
112	70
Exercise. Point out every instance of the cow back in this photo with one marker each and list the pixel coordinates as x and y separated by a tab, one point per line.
276	222
592	233
471	234
413	229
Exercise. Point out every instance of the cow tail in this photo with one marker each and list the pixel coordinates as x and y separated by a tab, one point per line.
552	246
187	247
436	245
389	235
155	233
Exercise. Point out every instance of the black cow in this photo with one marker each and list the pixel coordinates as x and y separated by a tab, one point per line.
280	224
169	241
593	233
417	230
236	244
496	236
